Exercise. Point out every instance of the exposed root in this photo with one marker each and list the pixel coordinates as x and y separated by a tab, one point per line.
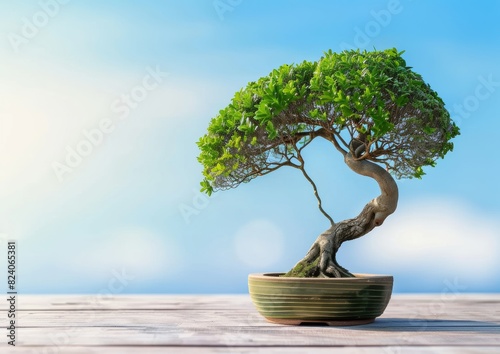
320	261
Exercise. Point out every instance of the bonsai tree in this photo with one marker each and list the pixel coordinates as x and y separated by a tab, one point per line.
381	117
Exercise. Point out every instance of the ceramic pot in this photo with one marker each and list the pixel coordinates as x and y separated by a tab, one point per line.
334	301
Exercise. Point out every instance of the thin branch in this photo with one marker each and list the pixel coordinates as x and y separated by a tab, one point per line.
315	189
337	145
289	139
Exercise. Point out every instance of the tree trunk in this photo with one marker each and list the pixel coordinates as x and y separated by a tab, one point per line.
321	261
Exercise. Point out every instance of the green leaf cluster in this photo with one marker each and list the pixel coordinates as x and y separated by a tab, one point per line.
371	96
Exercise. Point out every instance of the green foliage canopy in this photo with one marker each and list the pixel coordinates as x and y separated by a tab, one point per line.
370	104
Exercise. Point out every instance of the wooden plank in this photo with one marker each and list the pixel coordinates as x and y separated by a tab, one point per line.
103	301
217	322
113	302
243	350
237	318
255	336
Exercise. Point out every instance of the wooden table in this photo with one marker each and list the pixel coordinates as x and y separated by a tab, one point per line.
439	323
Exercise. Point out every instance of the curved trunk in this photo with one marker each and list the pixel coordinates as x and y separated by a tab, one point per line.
321	261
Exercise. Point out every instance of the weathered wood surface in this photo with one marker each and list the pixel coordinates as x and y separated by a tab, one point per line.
444	323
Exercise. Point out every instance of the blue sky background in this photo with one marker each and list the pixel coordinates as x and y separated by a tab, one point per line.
127	217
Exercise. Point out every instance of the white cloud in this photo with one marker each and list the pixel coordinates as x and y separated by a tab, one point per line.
259	243
436	238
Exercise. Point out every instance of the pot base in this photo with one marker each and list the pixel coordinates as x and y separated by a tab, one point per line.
320	322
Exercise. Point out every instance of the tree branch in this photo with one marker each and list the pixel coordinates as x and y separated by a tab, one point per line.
315	189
